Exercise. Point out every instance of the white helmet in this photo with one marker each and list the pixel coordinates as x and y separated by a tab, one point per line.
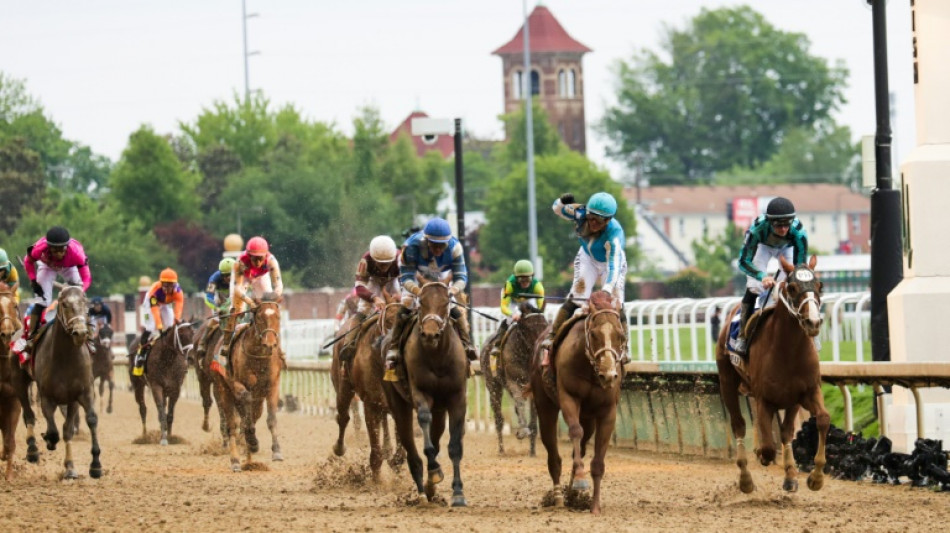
382	249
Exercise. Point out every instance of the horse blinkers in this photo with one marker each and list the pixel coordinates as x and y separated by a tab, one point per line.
606	358
431	321
804	294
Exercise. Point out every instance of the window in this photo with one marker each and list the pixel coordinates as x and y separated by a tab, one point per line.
813	226
535	83
682	224
571	84
855	224
562	83
517	85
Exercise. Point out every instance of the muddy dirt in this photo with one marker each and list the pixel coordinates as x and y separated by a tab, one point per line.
188	486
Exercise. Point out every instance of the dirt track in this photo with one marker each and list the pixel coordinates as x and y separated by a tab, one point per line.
188	486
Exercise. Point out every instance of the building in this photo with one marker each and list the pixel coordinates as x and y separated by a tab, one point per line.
445	144
671	218
557	75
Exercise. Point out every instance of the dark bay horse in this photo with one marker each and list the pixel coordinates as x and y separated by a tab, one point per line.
436	370
782	373
512	373
586	361
165	370
202	364
9	371
63	374
253	378
364	376
102	366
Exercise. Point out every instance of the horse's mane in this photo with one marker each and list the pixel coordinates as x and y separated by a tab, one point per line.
270	297
601	300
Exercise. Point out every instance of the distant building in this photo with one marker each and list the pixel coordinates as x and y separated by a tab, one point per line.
671	218
557	75
445	144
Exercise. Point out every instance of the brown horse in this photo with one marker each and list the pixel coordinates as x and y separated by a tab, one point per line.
782	373
586	359
512	373
202	364
436	369
165	370
102	367
9	370
364	376
63	375
253	377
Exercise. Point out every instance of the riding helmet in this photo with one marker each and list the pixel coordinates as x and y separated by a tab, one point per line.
780	209
168	276
57	236
226	265
257	246
382	249
524	268
603	204
437	230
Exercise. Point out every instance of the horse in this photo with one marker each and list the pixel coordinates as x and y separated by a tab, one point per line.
253	377
165	370
586	360
512	371
203	367
782	373
364	376
435	371
9	370
63	374
102	368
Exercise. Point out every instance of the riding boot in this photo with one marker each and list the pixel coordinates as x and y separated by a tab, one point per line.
625	357
35	317
465	334
395	335
745	311
349	348
565	312
496	345
202	347
138	362
220	362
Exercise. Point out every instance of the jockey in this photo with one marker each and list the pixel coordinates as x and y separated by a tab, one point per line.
9	275
377	271
776	233
434	253
347	307
162	307
55	254
521	283
100	313
601	257
18	346
217	298
258	268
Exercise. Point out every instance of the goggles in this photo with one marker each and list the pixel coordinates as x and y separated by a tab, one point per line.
781	223
523	279
599	218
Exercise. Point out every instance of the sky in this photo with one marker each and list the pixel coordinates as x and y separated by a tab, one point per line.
102	68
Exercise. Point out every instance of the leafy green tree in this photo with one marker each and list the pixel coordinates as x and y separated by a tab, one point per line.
546	139
245	126
21	182
504	239
217	164
148	183
413	182
370	145
734	86
715	255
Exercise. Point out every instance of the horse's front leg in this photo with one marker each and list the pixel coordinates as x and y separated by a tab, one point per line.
158	395
69	429
344	398
92	422
521	411
729	391
272	397
424	415
764	417
456	434
111	377
788	458
22	386
495	392
171	399
816	406
139	385
605	429
570	410
204	388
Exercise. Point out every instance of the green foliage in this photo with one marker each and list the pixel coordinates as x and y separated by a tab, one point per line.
732	88
546	139
714	255
370	144
149	184
245	126
504	239
21	182
414	183
688	283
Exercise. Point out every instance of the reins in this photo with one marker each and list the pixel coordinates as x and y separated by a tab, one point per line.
592	356
260	333
440	320
796	311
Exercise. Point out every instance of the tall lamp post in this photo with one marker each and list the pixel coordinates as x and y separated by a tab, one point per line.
247	76
429	129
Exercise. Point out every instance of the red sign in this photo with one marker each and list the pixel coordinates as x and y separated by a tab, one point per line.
744	211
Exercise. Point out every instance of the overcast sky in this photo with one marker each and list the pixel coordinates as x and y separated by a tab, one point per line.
101	68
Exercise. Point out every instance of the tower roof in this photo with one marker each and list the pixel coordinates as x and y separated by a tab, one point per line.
546	34
445	144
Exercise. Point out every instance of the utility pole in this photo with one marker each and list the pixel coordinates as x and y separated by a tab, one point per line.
247	75
529	120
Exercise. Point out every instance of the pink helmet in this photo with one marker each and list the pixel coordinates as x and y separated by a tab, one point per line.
257	246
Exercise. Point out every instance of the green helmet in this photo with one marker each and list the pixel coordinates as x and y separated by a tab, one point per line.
226	265
524	268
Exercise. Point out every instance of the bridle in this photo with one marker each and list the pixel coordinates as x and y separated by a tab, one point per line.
594	356
258	330
63	307
809	297
183	349
12	318
381	319
439	319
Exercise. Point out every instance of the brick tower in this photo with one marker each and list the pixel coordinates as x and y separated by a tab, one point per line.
557	76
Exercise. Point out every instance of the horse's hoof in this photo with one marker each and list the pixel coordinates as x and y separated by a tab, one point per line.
559	499
339	449
71	474
745	483
95	472
163	442
33	455
523	433
580	485
235	467
206	427
109	410
816	483
790	485
277	457
458	500
436	476
430	491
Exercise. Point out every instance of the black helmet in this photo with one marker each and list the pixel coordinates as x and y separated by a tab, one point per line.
57	236
780	209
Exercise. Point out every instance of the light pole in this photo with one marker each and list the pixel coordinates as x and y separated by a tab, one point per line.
247	76
529	141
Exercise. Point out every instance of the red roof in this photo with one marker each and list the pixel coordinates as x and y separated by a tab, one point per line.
445	144
546	35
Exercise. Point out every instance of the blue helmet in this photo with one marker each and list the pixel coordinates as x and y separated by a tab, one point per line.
437	230
602	204
96	300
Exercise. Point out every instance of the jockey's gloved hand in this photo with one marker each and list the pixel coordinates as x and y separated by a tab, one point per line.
153	336
37	288
454	291
567	198
415	290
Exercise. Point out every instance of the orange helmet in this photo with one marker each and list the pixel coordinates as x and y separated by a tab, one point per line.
257	246
168	276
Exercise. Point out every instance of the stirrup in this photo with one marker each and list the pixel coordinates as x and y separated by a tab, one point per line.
390	365
741	347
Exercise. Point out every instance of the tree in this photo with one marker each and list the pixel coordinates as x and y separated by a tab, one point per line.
370	144
546	139
504	239
149	184
715	255
246	127
734	86
414	183
21	182
217	164
194	248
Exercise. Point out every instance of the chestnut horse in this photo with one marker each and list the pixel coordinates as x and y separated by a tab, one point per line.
512	373
165	370
586	360
63	373
782	373
102	366
253	377
436	369
364	376
203	368
9	371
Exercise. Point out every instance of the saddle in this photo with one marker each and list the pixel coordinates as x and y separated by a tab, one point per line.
740	362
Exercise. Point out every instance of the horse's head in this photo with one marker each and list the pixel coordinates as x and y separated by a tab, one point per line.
433	311
267	321
606	338
71	308
9	321
801	294
104	336
184	338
